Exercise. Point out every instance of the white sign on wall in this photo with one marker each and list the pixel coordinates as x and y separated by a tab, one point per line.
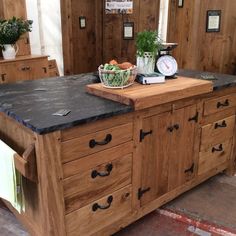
119	6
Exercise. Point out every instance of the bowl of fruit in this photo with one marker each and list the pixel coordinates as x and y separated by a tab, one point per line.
115	75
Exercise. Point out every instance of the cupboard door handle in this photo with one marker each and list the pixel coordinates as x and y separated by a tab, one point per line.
170	129
45	69
26	68
95	173
191	169
224	104
176	126
223	125
219	149
96	206
3	77
93	142
143	134
194	118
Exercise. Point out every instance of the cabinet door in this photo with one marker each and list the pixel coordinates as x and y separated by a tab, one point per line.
181	151
168	152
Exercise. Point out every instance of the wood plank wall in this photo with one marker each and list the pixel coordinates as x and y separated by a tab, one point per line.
199	50
10	8
102	40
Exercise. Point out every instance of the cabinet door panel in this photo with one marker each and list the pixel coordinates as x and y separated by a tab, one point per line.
155	157
181	156
168	153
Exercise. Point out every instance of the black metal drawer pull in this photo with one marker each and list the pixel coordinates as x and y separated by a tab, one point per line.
96	206
191	169
223	125
219	149
93	142
95	173
225	104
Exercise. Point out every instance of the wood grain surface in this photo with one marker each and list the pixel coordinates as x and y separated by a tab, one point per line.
144	96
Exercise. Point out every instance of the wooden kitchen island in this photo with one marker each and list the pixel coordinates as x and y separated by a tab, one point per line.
106	164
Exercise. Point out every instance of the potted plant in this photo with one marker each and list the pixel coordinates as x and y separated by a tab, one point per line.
10	32
147	44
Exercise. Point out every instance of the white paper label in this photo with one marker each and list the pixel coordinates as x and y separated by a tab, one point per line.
119	5
213	22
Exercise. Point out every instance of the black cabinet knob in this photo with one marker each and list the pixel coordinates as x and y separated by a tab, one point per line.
96	206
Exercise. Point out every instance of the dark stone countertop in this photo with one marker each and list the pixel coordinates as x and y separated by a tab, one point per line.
221	81
32	103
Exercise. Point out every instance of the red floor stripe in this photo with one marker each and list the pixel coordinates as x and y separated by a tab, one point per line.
201	224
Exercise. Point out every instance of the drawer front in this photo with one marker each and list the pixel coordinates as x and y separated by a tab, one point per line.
91	218
217	132
24	70
95	142
219	104
96	182
214	156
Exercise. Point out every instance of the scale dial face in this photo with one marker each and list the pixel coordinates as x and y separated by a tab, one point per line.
167	65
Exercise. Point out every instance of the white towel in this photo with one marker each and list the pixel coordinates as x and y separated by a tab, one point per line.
11	187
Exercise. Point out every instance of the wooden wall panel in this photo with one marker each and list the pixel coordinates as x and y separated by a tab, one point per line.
198	49
85	49
10	8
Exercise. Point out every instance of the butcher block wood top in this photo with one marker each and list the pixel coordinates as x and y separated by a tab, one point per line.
144	96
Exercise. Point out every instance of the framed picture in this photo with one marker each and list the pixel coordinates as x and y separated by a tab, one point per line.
82	22
128	30
213	21
180	3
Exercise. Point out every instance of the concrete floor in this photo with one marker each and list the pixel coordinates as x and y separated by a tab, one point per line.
213	202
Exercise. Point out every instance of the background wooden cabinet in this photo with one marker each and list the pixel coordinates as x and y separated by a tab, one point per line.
168	152
23	68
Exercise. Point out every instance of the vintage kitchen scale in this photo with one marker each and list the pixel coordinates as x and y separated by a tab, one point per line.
166	63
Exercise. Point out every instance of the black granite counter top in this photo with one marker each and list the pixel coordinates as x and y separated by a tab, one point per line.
220	81
32	103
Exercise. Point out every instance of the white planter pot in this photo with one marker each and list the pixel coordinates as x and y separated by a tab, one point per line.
146	64
9	51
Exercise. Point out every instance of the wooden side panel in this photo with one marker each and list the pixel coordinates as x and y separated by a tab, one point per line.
19	138
187	26
50	177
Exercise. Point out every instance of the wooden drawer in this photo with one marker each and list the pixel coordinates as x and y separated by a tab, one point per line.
214	156
219	104
217	132
90	219
101	174
24	70
95	142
